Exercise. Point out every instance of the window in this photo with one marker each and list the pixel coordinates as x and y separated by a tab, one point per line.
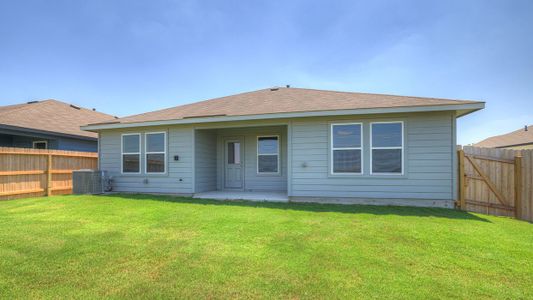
268	154
234	153
155	143
386	144
131	153
40	145
346	148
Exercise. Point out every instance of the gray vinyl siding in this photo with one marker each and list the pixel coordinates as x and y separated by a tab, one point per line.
206	160
428	160
76	145
21	139
205	148
252	180
27	142
179	176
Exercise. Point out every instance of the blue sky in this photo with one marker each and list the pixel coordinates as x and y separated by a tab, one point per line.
127	57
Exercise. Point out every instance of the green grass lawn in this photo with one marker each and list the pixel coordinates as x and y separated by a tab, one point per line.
124	246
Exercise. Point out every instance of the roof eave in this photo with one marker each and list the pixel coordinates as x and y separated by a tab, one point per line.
46	132
463	112
460	109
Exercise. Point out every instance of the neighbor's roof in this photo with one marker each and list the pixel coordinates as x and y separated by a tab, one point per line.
51	116
285	100
515	138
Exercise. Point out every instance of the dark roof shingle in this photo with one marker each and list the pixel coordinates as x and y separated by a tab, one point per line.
51	116
286	100
517	137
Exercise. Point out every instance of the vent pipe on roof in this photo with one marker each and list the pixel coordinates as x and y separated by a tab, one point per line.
288	85
94	109
525	127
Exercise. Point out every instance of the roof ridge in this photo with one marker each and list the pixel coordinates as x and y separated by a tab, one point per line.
516	131
50	100
292	88
494	137
508	135
290	100
51	115
381	94
20	107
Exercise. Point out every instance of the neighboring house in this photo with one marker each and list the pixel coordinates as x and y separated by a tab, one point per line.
518	139
49	124
291	145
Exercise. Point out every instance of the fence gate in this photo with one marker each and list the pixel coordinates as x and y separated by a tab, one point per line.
490	181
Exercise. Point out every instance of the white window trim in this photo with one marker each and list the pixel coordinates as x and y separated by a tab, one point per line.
377	148
146	134
278	155
35	142
122	153
332	148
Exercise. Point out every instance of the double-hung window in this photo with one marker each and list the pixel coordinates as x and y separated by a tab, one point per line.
131	153
346	148
268	154
386	143
155	143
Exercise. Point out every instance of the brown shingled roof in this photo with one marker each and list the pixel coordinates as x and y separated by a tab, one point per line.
517	137
51	116
285	100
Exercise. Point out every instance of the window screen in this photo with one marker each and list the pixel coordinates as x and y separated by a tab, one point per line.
268	154
131	153
387	148
346	148
155	152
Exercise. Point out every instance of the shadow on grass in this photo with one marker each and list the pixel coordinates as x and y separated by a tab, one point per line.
313	207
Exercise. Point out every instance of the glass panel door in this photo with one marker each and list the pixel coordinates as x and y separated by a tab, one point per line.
233	172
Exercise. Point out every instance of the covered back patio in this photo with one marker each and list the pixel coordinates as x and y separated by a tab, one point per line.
236	163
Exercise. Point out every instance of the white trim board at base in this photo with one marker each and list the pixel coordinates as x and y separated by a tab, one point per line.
370	201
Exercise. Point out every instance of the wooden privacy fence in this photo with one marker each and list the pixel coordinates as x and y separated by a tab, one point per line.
34	172
496	181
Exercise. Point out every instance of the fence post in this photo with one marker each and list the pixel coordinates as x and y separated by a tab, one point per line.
462	200
49	176
518	186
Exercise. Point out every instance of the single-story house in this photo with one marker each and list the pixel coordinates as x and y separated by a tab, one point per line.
49	124
291	144
518	139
